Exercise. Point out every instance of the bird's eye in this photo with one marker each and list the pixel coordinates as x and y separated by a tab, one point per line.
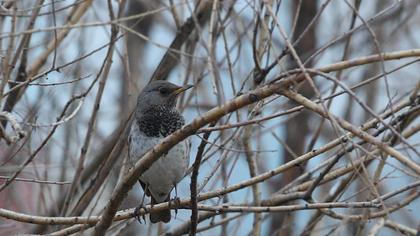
164	91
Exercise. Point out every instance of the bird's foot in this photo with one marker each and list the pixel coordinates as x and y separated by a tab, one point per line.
141	205
176	202
137	214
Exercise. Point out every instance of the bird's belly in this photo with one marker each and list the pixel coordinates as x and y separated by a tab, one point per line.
167	171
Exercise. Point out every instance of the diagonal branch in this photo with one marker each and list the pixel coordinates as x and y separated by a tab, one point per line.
171	58
354	130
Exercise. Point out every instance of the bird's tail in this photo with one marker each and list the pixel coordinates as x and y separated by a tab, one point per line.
160	216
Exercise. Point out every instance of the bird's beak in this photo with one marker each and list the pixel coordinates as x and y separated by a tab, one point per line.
182	89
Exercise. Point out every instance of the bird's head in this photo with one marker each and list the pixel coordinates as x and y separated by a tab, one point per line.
159	93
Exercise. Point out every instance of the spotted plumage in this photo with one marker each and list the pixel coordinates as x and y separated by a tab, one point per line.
160	121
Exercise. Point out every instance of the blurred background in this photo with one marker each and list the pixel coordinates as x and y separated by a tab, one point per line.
71	71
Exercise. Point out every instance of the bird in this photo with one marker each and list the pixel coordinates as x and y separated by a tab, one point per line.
155	118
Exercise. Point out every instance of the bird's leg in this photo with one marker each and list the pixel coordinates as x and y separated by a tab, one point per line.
175	201
139	207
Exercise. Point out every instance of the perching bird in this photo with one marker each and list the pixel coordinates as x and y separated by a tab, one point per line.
155	118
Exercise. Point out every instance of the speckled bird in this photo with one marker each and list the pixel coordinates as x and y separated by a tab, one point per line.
155	118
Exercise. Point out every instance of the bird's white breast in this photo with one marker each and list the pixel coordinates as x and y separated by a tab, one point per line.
167	171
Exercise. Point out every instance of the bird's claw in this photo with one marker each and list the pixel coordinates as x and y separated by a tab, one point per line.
137	214
175	202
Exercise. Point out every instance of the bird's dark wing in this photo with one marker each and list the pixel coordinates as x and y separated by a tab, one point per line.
144	187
